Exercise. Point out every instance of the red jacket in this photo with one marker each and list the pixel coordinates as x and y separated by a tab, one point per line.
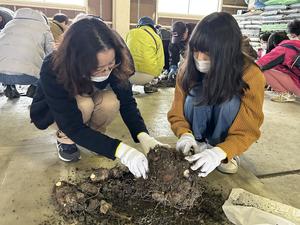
281	58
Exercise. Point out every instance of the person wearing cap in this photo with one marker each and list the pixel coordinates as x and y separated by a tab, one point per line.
59	25
147	51
177	46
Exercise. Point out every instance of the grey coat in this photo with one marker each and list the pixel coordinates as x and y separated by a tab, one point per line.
24	42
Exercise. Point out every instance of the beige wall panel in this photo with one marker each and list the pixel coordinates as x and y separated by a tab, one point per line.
234	2
107	10
134	11
94	7
148	8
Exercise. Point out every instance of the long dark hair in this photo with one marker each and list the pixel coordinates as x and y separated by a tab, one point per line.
75	58
219	36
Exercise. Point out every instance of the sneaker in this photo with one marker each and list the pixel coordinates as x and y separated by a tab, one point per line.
230	167
31	91
165	73
283	97
68	152
148	88
11	92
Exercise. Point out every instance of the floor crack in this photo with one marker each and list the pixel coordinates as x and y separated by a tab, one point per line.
270	175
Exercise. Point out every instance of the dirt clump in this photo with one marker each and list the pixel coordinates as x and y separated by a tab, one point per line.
165	83
172	194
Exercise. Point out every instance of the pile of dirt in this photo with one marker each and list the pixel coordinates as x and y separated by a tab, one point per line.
172	194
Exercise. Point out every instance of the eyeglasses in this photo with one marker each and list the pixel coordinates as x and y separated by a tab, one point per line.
107	69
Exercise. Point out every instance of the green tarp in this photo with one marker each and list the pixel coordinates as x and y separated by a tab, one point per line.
281	2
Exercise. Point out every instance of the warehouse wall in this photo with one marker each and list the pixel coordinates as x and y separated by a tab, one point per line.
49	12
138	8
102	8
232	6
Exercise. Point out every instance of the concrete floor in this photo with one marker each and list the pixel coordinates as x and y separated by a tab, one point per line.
29	164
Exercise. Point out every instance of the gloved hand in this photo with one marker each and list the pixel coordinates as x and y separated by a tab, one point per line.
186	143
208	160
149	142
136	161
202	146
173	72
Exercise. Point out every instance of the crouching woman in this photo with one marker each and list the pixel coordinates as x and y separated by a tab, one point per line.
82	87
217	107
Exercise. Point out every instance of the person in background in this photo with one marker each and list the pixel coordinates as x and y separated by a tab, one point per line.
83	86
5	16
45	18
147	51
59	25
2	23
217	108
190	27
165	36
247	48
24	42
281	69
294	30
177	47
275	39
263	44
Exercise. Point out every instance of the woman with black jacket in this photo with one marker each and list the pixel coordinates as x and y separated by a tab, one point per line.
82	87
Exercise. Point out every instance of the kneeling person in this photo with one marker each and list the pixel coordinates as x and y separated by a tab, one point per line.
217	108
82	87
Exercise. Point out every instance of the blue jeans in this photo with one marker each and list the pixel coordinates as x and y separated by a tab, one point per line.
210	123
21	79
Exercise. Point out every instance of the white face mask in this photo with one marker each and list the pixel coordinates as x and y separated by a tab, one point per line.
99	79
264	46
202	65
293	37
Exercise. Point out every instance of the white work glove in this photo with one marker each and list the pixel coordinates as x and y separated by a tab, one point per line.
149	142
202	146
207	160
185	143
136	161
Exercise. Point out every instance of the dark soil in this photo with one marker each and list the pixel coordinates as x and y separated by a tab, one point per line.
162	83
171	195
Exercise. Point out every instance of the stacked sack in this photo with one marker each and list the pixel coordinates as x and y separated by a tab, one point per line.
278	13
267	16
250	24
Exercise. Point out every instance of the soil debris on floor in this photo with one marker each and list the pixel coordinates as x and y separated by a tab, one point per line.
165	83
172	194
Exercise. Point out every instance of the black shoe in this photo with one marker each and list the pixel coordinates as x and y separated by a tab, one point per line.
31	91
11	92
68	152
148	88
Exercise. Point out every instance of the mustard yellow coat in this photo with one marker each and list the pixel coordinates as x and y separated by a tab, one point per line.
146	50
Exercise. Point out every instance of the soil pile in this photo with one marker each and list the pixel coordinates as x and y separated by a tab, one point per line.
172	194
